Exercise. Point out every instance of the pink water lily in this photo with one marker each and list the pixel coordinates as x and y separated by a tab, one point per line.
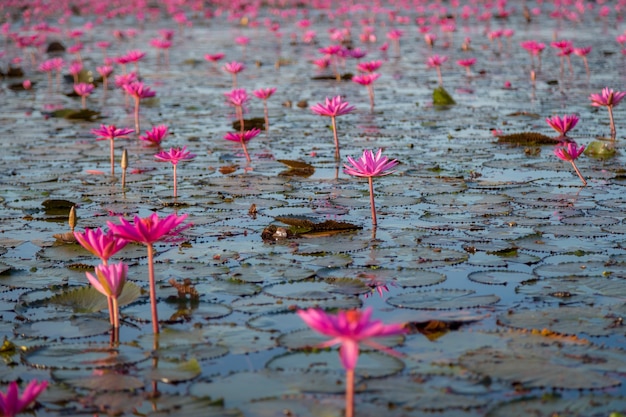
105	71
350	329
148	231
243	138
370	166
564	124
154	136
234	68
138	91
101	244
436	61
609	99
83	90
332	108
570	152
368	81
264	94
110	133
12	403
109	280
370	66
467	63
238	97
175	155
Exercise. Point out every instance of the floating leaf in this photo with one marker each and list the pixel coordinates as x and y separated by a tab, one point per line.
565	320
370	364
72	114
553	405
442	299
441	97
600	149
406	277
70	328
534	361
172	372
527	138
297	168
309	339
500	277
84	356
99	380
89	300
244	387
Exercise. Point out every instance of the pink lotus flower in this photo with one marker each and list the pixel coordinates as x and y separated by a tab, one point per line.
368	81
608	98
105	71
12	403
148	231
83	90
467	63
214	58
234	68
350	329
155	136
370	166
570	152
175	155
243	138
332	108
563	125
111	132
101	244
264	94
370	66
138	91
75	68
124	79
109	281
238	98
394	36
583	52
436	61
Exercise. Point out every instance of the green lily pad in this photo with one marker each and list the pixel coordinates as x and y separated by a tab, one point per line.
441	97
73	114
600	149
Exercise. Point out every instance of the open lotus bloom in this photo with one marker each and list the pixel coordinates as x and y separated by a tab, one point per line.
12	403
370	166
570	152
562	124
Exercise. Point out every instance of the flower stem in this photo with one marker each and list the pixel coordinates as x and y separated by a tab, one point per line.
175	183
112	152
137	115
370	90
245	150
334	124
371	184
350	393
613	131
439	76
153	300
579	174
116	314
266	114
